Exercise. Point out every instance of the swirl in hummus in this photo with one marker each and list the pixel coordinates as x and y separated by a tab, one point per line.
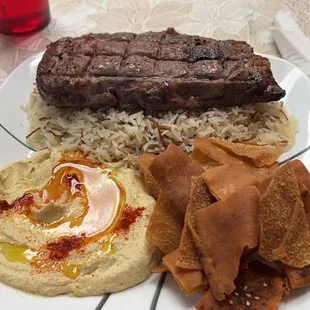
72	226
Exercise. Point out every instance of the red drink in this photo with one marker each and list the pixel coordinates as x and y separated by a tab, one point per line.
19	16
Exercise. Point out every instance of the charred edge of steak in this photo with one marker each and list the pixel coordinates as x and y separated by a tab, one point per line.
154	70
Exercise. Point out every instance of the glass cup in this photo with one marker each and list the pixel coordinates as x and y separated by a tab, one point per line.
20	16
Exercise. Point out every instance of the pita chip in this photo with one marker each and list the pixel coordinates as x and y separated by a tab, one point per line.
264	184
200	197
150	184
203	160
173	171
303	176
261	173
259	155
225	180
284	231
160	268
226	229
190	281
300	277
297	277
213	152
189	257
165	226
264	290
206	153
301	172
305	196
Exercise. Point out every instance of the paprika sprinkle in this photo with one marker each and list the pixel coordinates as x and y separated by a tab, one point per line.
129	217
62	247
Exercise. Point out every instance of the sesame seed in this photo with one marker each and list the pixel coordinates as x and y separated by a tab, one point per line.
247	303
248	295
236	294
257	298
230	302
265	284
245	288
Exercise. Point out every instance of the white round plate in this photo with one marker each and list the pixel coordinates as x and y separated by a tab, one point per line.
159	291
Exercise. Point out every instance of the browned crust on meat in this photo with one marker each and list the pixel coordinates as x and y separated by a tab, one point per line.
156	71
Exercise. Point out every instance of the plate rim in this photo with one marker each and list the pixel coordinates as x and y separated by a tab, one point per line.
161	280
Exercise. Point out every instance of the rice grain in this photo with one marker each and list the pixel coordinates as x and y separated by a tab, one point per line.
118	135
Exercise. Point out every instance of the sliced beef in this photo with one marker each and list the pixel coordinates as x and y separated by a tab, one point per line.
154	70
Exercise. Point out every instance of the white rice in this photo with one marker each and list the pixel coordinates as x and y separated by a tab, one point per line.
117	135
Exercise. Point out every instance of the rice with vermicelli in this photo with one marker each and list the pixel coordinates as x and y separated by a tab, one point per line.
111	135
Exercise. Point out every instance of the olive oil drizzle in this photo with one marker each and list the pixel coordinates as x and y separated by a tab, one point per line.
103	199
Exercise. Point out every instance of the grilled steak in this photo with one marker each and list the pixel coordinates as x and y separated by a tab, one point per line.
156	71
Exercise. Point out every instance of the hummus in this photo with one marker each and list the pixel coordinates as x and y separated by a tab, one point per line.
67	227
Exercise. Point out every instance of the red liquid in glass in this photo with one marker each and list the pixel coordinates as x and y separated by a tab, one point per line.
19	16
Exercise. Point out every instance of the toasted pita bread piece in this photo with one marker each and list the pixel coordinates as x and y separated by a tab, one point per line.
284	231
299	168
189	257
301	172
190	281
297	277
261	173
225	230
165	226
303	177
207	152
203	160
150	184
300	277
264	184
200	197
225	180
259	155
173	170
212	152
259	287
160	268
305	196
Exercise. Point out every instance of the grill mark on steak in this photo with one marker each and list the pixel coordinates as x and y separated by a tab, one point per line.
155	71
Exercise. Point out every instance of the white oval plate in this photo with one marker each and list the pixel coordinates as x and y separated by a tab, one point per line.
159	291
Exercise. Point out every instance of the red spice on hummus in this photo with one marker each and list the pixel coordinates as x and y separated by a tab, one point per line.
129	217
